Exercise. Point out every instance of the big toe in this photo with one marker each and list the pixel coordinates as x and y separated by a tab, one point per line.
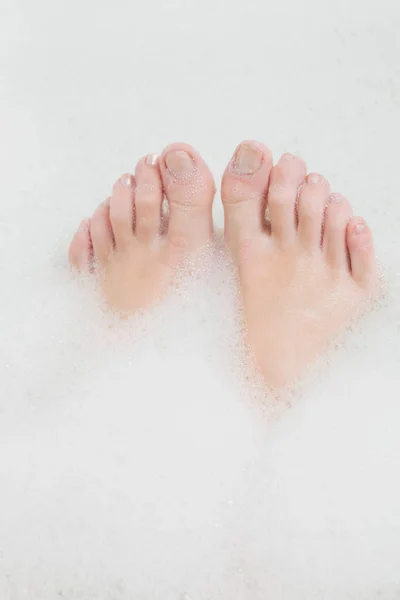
189	188
244	191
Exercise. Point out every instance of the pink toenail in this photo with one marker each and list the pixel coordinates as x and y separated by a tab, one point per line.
359	228
179	163
288	156
151	160
84	226
126	180
316	179
247	160
336	198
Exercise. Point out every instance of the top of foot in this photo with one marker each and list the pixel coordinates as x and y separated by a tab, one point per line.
306	265
131	245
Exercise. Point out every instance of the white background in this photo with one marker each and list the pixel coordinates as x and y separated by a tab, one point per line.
130	465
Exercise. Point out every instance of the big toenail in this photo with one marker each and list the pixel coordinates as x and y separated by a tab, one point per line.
151	160
179	162
126	180
247	160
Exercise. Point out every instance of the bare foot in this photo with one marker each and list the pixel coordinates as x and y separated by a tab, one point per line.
133	250
305	271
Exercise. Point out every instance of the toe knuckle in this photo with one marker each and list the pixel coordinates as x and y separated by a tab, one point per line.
280	194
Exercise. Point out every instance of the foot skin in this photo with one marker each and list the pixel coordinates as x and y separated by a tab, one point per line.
131	245
306	266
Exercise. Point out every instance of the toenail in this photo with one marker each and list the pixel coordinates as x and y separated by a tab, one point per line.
179	162
359	228
151	159
335	198
247	160
317	179
84	226
287	156
126	180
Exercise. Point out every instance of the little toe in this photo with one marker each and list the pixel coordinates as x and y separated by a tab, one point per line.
122	211
189	188
148	199
311	207
338	212
362	254
244	191
286	178
101	233
80	251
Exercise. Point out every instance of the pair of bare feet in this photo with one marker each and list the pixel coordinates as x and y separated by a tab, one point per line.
306	265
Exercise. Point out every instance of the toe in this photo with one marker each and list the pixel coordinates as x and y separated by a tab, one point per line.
338	212
244	191
362	254
122	211
80	250
313	197
101	233
148	199
286	178
189	188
